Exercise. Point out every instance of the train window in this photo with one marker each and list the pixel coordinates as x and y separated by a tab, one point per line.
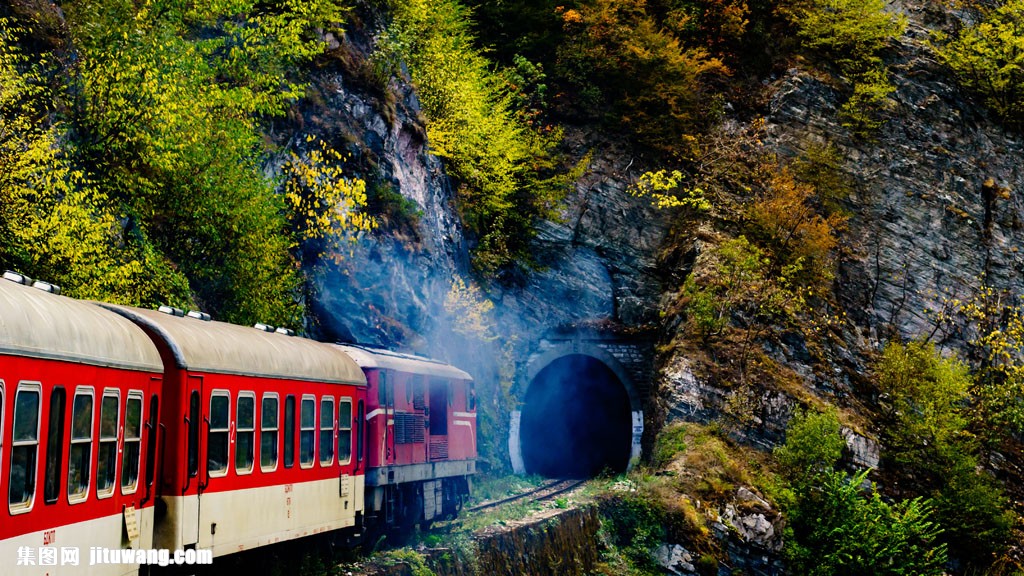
471	398
193	433
344	430
360	428
106	465
154	411
54	446
307	431
382	387
245	432
217	433
24	449
268	433
132	443
326	431
289	431
80	461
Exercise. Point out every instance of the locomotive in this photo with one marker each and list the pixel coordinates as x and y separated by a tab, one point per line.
124	429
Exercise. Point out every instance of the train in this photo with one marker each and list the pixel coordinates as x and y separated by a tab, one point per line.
127	432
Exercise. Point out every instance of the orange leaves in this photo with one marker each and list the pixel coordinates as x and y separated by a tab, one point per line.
784	220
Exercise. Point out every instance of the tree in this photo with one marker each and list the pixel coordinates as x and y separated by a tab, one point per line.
988	58
617	57
55	224
323	205
798	240
928	405
167	119
813	446
506	167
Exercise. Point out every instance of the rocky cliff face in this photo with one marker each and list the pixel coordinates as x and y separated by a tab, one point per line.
598	261
936	205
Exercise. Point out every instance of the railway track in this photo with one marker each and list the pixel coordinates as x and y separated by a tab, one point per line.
539	494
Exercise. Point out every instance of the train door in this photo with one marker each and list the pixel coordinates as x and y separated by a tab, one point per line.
190	494
439	399
387	398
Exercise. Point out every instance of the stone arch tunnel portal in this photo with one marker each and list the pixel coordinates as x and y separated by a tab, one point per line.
578	419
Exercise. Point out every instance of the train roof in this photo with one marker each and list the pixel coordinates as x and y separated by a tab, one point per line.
368	357
219	347
39	324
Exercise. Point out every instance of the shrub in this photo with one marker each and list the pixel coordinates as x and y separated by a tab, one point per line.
813	445
986	59
844	529
618	58
821	166
850	33
799	242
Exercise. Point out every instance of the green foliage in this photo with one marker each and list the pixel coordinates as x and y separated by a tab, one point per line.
843	529
852	34
927	398
988	58
738	280
928	401
822	166
507	168
813	445
168	120
56	225
635	524
838	527
994	331
415	561
860	113
140	179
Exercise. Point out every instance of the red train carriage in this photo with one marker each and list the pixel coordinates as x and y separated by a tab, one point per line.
421	436
262	434
80	389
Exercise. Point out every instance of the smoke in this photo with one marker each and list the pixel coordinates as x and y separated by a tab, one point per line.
391	290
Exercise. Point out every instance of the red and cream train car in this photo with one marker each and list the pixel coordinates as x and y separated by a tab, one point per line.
421	430
259	434
80	389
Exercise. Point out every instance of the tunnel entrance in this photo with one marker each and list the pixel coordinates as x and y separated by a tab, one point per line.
576	420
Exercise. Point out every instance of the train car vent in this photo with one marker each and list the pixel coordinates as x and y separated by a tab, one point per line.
263	327
199	315
285	331
19	278
172	311
46	287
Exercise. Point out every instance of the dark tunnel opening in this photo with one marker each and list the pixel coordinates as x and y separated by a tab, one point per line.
576	420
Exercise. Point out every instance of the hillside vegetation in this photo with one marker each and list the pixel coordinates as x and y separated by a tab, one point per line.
137	166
